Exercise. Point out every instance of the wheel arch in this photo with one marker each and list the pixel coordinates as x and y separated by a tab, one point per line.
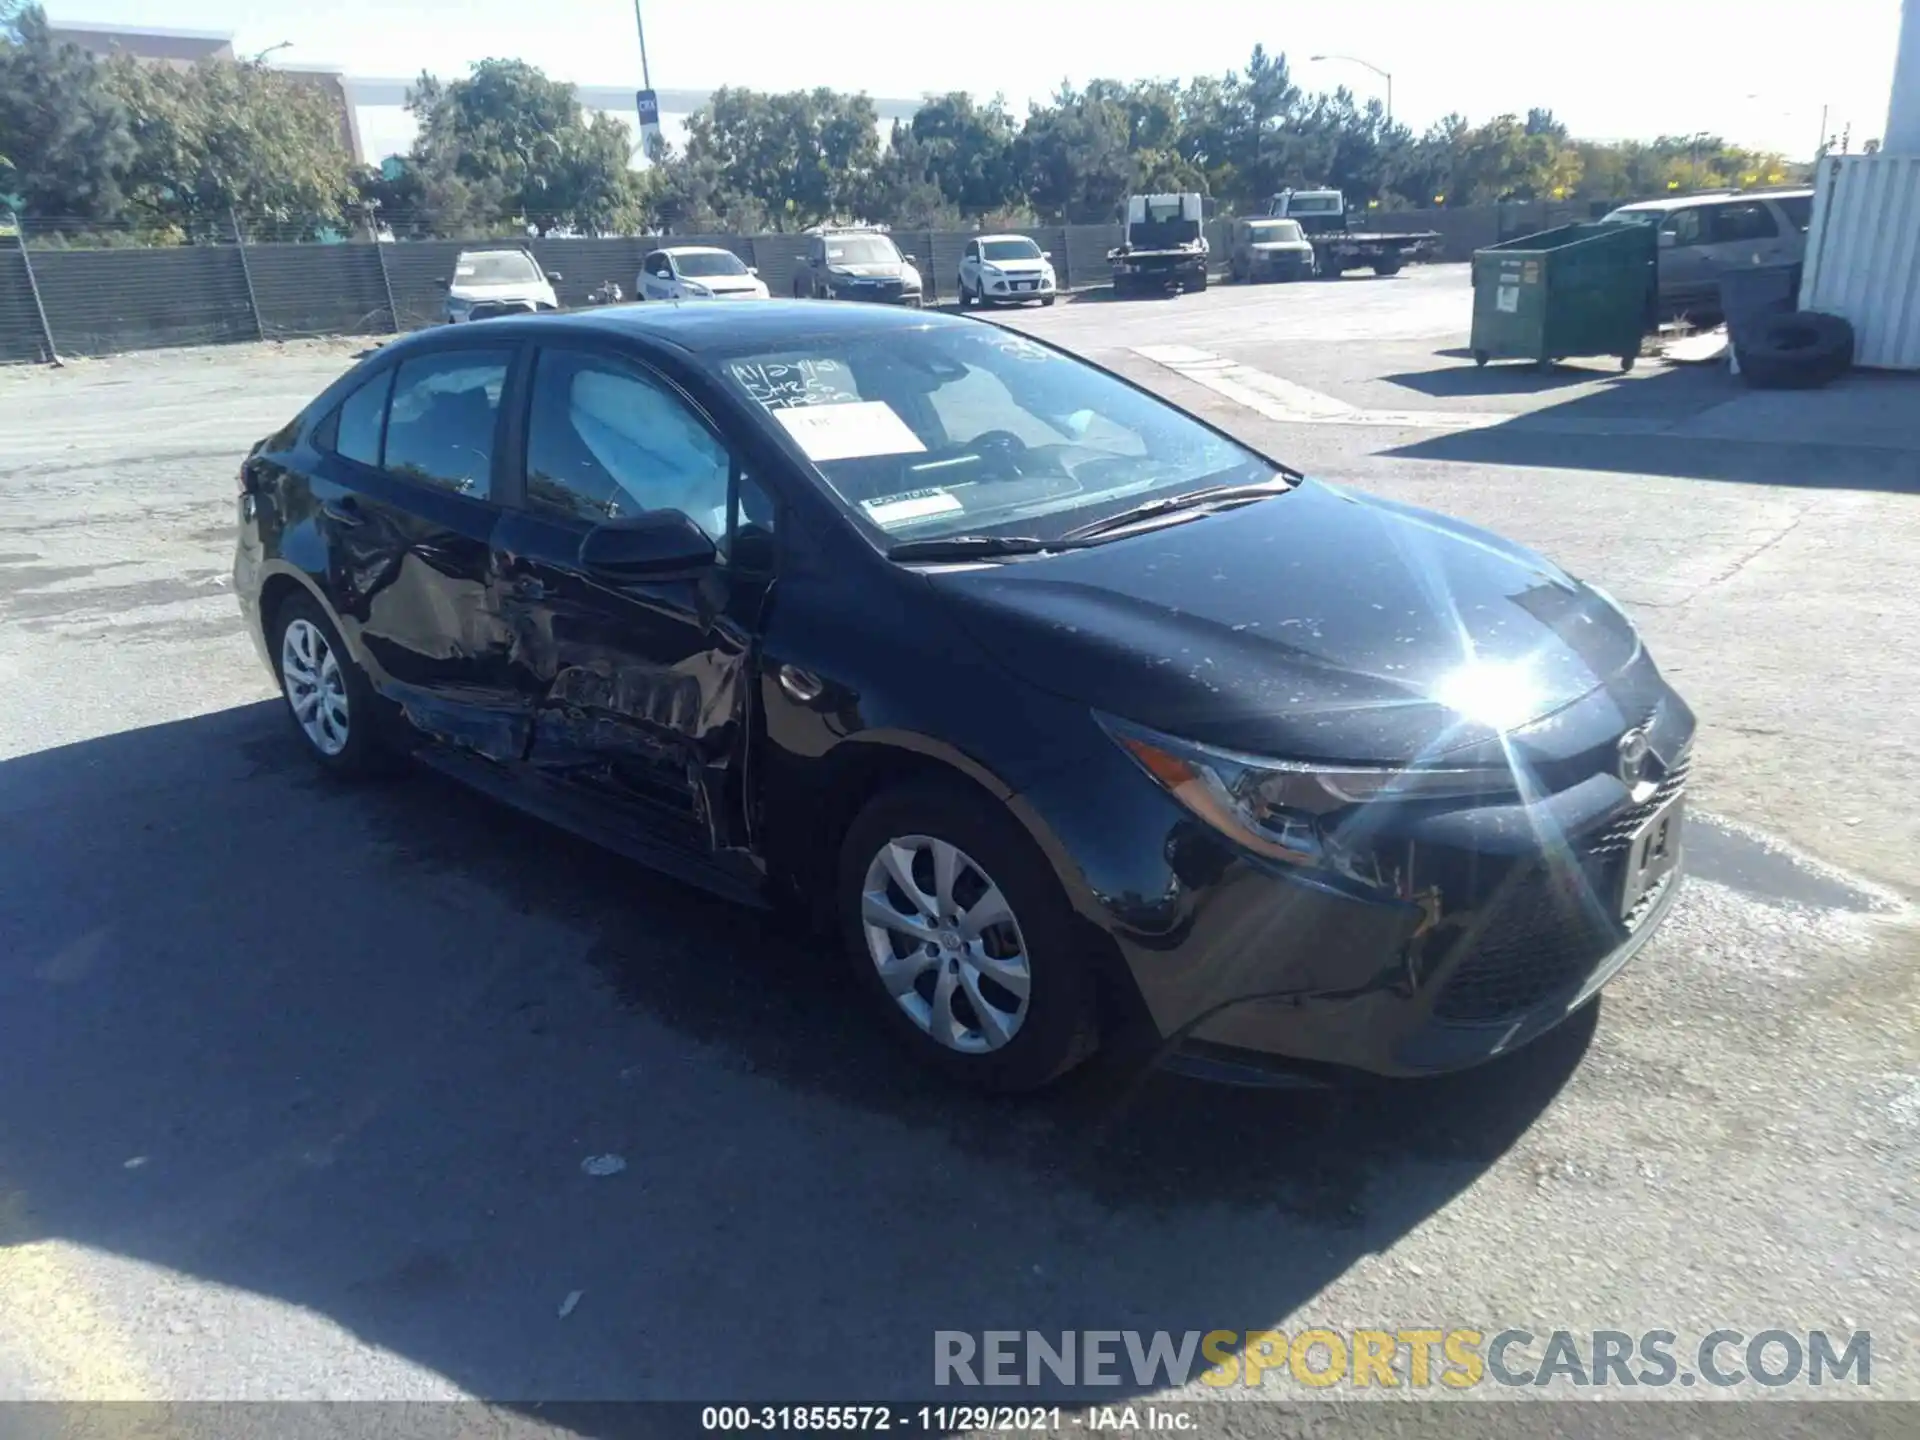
282	582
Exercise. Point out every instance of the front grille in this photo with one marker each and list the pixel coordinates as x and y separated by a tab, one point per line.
1544	932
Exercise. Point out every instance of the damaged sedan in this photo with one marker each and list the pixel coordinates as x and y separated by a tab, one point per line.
1071	718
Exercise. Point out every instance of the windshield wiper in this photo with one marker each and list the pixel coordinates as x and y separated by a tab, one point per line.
1217	497
972	547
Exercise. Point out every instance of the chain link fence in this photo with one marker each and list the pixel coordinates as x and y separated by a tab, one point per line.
75	288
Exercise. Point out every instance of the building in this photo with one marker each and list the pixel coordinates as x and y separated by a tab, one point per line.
183	49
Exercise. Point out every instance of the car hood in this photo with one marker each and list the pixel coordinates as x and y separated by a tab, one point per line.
1266	247
1317	625
874	270
517	290
1017	267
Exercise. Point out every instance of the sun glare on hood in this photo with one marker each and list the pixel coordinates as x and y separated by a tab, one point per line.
1497	694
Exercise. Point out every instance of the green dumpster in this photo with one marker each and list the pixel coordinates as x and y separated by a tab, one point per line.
1577	290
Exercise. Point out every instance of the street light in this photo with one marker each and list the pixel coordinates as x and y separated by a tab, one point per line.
1385	75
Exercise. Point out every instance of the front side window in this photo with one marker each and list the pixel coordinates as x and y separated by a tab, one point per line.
441	424
945	431
657	264
356	429
1748	220
1009	250
1684	226
605	442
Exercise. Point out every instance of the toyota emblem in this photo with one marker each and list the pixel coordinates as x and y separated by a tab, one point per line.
1634	752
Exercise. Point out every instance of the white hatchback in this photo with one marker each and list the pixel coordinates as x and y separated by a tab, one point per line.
697	272
1005	268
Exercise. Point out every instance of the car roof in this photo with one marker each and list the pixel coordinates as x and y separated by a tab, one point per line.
496	250
984	238
1681	202
693	250
700	329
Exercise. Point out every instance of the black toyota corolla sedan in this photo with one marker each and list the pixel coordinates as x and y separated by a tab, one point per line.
1074	717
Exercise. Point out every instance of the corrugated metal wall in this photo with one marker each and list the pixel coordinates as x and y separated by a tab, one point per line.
20	337
1863	255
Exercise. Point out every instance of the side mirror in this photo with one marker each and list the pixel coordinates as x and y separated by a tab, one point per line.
1046	254
753	269
654	545
555	276
911	259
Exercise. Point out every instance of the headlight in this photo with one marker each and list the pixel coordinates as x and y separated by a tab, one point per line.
692	288
1299	812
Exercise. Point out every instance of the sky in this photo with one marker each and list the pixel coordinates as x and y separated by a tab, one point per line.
1758	74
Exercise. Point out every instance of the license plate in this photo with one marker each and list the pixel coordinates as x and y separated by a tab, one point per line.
1653	855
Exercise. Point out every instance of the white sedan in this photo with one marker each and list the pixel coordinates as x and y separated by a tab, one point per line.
697	272
1005	268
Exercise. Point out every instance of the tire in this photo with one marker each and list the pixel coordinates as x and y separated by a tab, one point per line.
1480	357
1047	300
1627	362
1011	1044
1330	270
1798	351
1195	284
965	298
345	731
1384	267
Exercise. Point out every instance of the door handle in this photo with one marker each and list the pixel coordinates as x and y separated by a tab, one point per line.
344	511
802	685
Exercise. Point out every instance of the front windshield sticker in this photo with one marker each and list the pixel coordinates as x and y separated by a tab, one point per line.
891	510
1018	347
849	431
778	384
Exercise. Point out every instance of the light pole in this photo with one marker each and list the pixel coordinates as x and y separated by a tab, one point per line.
1385	75
646	80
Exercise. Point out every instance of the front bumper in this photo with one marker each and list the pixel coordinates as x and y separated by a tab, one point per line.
885	292
1505	922
1283	264
1017	287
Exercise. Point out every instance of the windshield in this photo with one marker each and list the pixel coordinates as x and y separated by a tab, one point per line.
861	250
1273	231
1009	250
1313	204
1630	217
710	262
495	267
968	429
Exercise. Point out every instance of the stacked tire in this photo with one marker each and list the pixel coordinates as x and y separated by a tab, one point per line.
1800	350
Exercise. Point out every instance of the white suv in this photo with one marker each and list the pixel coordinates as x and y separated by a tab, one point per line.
997	268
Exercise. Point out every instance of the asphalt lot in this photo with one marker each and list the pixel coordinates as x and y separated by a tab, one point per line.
297	1081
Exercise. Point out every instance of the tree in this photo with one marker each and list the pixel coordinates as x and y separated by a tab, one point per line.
806	156
964	150
1073	155
65	138
221	138
507	146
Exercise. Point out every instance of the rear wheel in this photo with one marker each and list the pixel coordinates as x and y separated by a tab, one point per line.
331	704
963	939
1387	265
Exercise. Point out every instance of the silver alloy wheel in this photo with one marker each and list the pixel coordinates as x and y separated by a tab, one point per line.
945	943
316	689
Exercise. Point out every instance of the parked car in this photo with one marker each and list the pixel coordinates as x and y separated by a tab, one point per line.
489	283
1270	250
697	272
1076	718
856	265
1703	236
1005	268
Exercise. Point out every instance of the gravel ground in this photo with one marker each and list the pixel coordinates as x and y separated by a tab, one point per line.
297	1082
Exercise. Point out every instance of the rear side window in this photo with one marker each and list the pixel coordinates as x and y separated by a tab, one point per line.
1747	220
1798	209
441	423
354	433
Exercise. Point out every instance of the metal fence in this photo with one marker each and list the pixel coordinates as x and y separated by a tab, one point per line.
64	301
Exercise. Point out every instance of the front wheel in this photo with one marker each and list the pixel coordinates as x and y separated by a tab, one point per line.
1047	299
963	938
